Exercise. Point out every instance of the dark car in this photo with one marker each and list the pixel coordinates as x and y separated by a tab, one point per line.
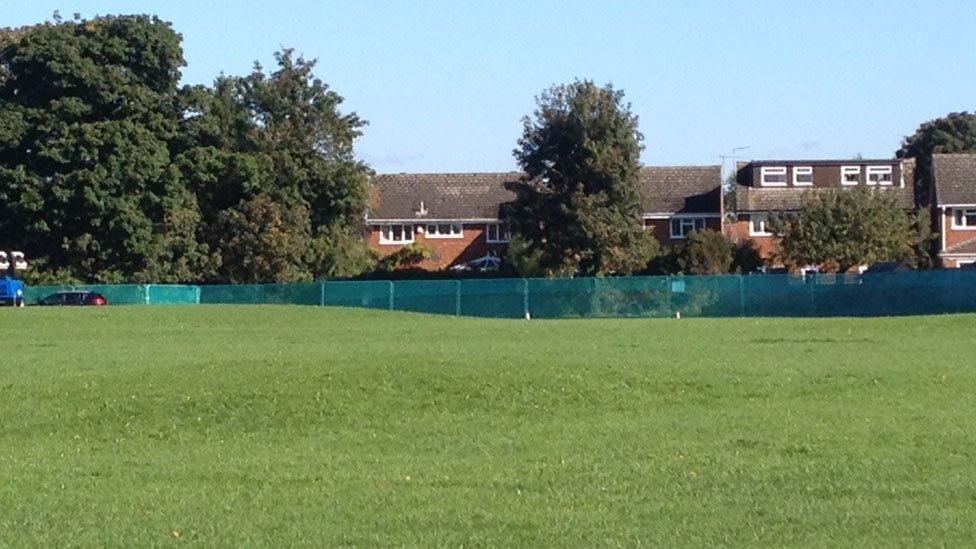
74	298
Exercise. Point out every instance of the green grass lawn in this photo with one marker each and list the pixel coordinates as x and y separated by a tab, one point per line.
263	425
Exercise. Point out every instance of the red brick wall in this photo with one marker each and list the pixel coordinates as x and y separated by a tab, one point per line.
952	236
739	232
448	252
661	229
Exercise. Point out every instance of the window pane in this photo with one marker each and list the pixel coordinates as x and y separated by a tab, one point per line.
957	217
970	218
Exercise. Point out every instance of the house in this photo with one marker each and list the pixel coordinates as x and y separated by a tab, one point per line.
768	186
954	207
457	215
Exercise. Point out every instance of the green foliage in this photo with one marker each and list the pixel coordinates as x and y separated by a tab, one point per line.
745	257
408	256
578	207
86	115
704	252
955	132
110	172
224	424
839	229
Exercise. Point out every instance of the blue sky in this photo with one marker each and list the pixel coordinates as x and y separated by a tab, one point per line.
444	84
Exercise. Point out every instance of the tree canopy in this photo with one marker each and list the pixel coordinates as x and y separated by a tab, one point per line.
955	132
577	209
110	171
839	229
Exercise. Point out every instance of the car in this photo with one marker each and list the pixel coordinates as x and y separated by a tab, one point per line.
78	297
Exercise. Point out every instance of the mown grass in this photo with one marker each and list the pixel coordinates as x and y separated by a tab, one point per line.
262	425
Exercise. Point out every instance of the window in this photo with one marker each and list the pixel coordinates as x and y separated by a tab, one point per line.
757	225
682	226
444	230
396	234
772	176
964	219
964	262
802	176
850	175
879	175
497	232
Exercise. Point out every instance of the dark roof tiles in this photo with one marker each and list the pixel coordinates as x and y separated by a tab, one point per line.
665	189
954	176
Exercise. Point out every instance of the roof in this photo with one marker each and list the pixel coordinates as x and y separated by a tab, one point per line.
954	177
681	189
443	195
762	199
840	162
470	196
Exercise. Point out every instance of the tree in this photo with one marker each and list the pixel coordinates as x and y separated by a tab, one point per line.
745	257
265	240
279	135
86	115
577	209
840	229
955	132
704	252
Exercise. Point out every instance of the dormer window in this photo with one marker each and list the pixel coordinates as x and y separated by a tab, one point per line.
850	175
772	176
802	176
879	175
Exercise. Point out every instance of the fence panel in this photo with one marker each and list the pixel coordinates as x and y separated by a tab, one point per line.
369	294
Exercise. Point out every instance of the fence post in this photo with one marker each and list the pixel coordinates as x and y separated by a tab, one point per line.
742	296
145	291
525	297
669	291
391	294
457	298
322	295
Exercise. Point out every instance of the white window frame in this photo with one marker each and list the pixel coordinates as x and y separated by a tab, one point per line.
686	225
964	226
763	230
850	170
802	170
503	233
439	231
960	263
772	170
880	170
386	233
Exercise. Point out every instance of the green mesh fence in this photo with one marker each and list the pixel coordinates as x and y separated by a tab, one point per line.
901	293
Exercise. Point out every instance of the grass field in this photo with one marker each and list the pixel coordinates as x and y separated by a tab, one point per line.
286	425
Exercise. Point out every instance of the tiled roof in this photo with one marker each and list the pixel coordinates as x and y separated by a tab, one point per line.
755	199
444	195
954	176
681	189
666	189
964	247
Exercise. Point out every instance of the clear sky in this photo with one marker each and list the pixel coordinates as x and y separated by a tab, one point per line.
445	83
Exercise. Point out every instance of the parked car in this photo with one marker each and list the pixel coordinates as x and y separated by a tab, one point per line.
74	298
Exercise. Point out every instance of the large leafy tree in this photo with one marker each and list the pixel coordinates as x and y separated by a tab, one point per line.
839	229
87	112
281	137
577	210
955	132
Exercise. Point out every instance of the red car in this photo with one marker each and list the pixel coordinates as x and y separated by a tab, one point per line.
75	298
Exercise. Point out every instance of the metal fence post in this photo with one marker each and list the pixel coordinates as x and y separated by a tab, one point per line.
322	295
525	298
391	294
457	298
145	291
742	296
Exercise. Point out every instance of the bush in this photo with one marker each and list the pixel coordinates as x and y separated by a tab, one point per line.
704	252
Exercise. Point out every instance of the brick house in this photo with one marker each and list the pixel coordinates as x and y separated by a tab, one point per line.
457	214
768	186
954	207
